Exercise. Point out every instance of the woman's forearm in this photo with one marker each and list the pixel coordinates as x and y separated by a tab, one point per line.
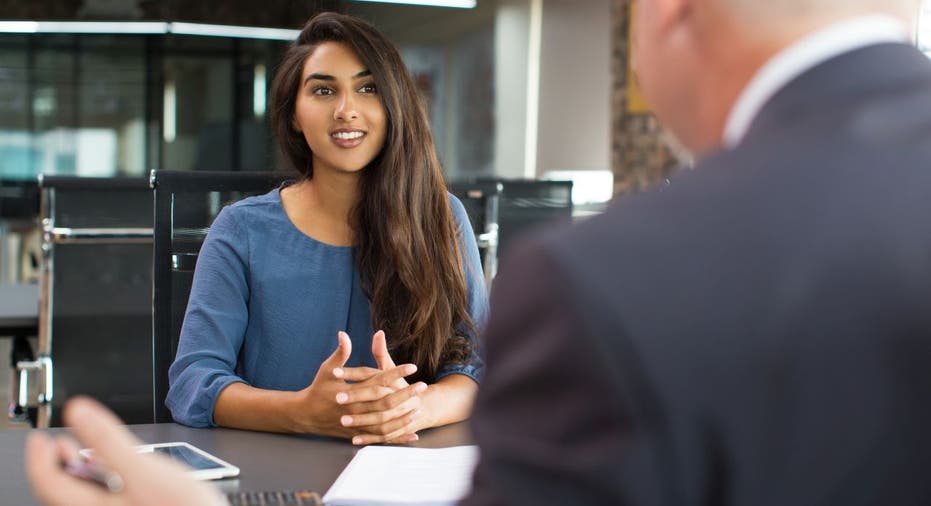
241	406
449	400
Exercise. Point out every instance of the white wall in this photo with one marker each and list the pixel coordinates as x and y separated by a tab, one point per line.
573	129
512	29
575	86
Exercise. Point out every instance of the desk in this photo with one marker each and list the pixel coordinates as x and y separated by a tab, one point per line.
267	461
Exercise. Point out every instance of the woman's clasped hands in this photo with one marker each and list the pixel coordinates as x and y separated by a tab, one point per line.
369	405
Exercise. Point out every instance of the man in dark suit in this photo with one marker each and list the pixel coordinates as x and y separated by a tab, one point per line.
758	332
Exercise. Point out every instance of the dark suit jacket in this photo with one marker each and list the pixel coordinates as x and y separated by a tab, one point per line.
758	332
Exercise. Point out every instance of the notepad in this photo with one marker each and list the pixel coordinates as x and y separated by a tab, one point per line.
389	475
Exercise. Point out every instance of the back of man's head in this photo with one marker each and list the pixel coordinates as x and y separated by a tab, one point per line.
693	57
776	15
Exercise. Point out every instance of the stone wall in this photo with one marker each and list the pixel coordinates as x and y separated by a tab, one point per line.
639	155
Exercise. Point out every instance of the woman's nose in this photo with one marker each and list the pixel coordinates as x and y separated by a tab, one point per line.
346	108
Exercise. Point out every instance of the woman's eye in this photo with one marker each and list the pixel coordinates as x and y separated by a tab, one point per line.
323	91
368	88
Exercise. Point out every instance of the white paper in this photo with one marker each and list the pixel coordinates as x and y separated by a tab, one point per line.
384	475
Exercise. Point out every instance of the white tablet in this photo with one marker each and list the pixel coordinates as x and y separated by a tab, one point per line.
202	465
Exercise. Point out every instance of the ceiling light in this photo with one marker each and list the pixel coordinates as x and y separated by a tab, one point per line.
463	4
137	28
82	27
245	32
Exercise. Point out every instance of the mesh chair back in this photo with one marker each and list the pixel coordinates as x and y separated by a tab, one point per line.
95	319
186	204
527	204
480	199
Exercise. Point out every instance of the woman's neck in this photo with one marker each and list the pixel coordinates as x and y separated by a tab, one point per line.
320	206
333	195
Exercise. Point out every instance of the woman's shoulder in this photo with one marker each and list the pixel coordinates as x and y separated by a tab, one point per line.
456	206
256	208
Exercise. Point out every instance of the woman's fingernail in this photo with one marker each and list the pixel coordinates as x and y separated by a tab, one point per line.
342	397
338	372
357	440
420	387
410	369
414	437
346	420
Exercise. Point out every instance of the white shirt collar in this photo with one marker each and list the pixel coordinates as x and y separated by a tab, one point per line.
801	56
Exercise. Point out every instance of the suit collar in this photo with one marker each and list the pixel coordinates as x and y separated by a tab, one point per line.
840	82
801	56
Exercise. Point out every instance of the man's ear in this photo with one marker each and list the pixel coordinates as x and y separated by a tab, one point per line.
671	13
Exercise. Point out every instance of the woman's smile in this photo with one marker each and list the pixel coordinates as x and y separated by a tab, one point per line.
348	138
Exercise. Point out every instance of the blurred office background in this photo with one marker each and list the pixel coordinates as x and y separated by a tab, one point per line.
516	89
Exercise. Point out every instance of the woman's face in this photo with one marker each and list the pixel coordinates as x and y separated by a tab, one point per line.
338	110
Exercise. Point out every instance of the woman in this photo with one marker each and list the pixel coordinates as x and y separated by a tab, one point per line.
367	238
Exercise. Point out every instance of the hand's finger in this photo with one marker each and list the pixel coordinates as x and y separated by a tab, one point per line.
340	355
358	374
68	449
403	439
380	350
398	429
363	393
400	403
380	422
49	481
98	428
385	403
389	378
113	444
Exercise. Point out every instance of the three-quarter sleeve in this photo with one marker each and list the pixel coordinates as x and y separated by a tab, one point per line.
214	324
477	294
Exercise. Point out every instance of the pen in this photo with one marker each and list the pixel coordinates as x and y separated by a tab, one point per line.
88	471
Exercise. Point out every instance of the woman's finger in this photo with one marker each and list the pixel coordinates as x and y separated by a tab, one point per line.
363	394
356	374
382	416
400	431
386	402
340	355
380	351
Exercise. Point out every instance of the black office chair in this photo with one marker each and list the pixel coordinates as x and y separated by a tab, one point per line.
186	204
502	210
480	199
95	320
527	204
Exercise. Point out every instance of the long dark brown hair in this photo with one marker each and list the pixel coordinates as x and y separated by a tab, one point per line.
405	237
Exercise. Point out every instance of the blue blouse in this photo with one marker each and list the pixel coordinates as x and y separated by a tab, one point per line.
267	302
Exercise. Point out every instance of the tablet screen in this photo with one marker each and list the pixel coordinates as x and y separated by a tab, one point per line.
187	456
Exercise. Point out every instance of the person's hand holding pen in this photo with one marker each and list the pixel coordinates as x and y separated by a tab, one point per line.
133	478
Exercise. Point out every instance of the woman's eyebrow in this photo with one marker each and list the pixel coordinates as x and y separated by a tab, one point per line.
328	77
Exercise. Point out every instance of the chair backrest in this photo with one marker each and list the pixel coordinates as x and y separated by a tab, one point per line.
186	204
95	320
480	199
503	209
527	204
